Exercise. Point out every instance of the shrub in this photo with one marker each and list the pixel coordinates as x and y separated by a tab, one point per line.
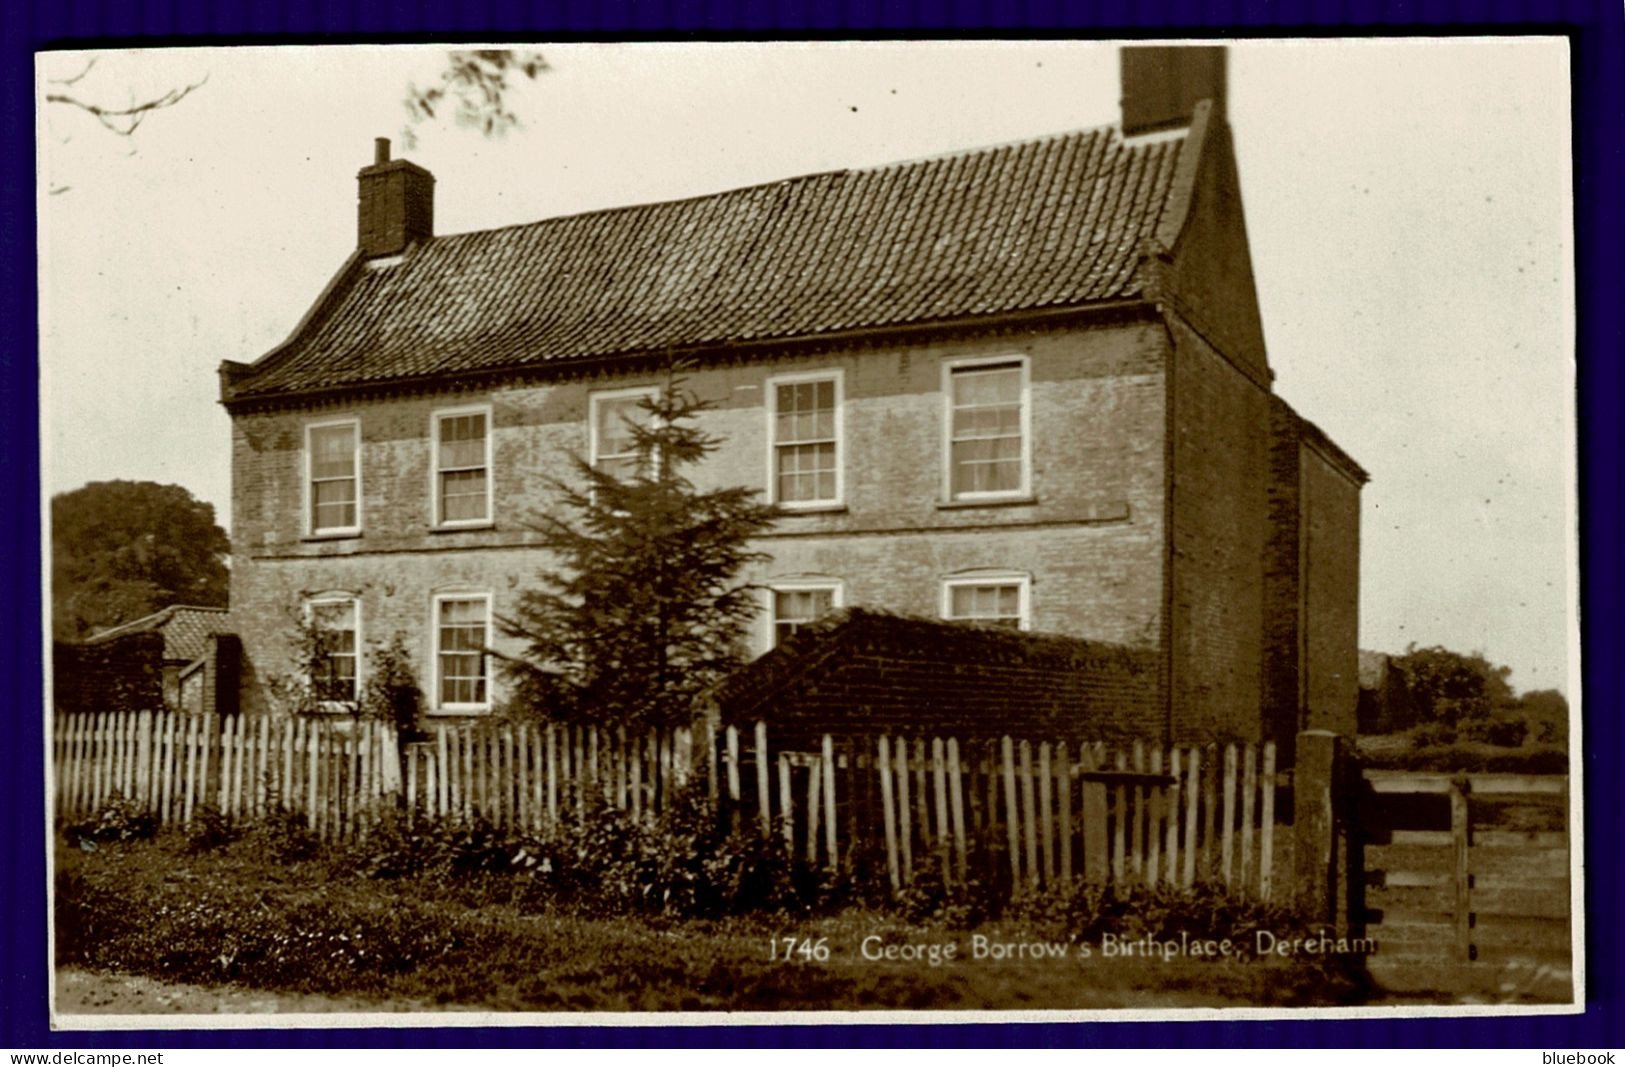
281	834
1207	910
1494	730
1474	758
956	905
1430	734
118	819
686	862
210	830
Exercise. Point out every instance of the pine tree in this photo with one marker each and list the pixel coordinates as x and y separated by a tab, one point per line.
645	611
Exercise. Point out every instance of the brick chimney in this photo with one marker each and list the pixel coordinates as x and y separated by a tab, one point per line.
1162	85
396	204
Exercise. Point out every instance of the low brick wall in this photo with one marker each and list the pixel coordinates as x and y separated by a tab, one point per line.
121	674
893	674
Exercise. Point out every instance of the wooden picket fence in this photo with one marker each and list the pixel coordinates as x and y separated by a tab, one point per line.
1015	813
530	775
1011	813
340	774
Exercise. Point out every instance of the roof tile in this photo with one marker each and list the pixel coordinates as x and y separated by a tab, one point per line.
1054	222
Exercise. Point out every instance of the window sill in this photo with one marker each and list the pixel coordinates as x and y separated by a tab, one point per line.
1021	500
462	527
338	535
813	509
458	712
328	709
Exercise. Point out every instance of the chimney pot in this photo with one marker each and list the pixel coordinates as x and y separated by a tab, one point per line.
395	204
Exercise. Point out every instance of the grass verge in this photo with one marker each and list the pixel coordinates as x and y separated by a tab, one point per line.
233	917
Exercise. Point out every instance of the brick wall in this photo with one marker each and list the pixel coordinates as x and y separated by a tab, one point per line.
1283	564
1219	527
1331	582
1090	538
121	674
1206	273
1311	582
922	678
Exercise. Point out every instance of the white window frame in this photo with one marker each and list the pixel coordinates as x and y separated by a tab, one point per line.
1021	579
435	419
595	400
838	376
319	600
434	654
309	497
837	600
949	366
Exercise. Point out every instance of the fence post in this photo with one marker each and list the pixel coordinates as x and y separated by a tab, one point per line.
1314	824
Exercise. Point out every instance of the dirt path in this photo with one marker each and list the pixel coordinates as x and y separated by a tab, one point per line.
80	992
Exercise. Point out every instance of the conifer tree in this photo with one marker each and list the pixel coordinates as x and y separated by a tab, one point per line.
645	610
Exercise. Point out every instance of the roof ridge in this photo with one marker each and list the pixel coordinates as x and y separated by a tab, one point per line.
151	619
1039	224
775	183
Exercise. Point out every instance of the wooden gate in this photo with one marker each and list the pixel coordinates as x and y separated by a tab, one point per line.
1464	869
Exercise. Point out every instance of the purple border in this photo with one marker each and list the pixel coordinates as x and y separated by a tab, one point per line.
1594	28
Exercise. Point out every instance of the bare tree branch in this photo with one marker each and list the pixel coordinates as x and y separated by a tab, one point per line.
74	80
125	121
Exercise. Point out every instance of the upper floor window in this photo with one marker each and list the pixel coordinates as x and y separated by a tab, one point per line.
335	624
801	602
613	445
990	599
462	475
804	412
333	473
462	633
988	440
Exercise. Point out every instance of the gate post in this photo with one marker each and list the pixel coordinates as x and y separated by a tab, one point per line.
1316	807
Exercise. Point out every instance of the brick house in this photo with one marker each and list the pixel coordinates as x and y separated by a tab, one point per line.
1023	385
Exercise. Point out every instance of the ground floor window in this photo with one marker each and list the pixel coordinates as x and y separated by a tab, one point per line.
994	600
462	634
796	604
335	667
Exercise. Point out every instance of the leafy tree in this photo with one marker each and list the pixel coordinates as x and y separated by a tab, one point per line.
1450	687
1547	713
646	612
121	550
476	86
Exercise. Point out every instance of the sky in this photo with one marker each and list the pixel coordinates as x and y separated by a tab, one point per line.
1407	204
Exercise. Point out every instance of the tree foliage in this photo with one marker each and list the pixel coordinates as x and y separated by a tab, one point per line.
1450	687
387	690
121	550
476	86
646	611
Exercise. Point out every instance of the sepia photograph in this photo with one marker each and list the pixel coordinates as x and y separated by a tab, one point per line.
663	533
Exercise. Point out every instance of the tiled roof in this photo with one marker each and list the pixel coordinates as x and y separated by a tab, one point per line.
186	629
1051	223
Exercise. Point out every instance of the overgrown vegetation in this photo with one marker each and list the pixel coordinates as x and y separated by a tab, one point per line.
471	922
685	863
320	679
